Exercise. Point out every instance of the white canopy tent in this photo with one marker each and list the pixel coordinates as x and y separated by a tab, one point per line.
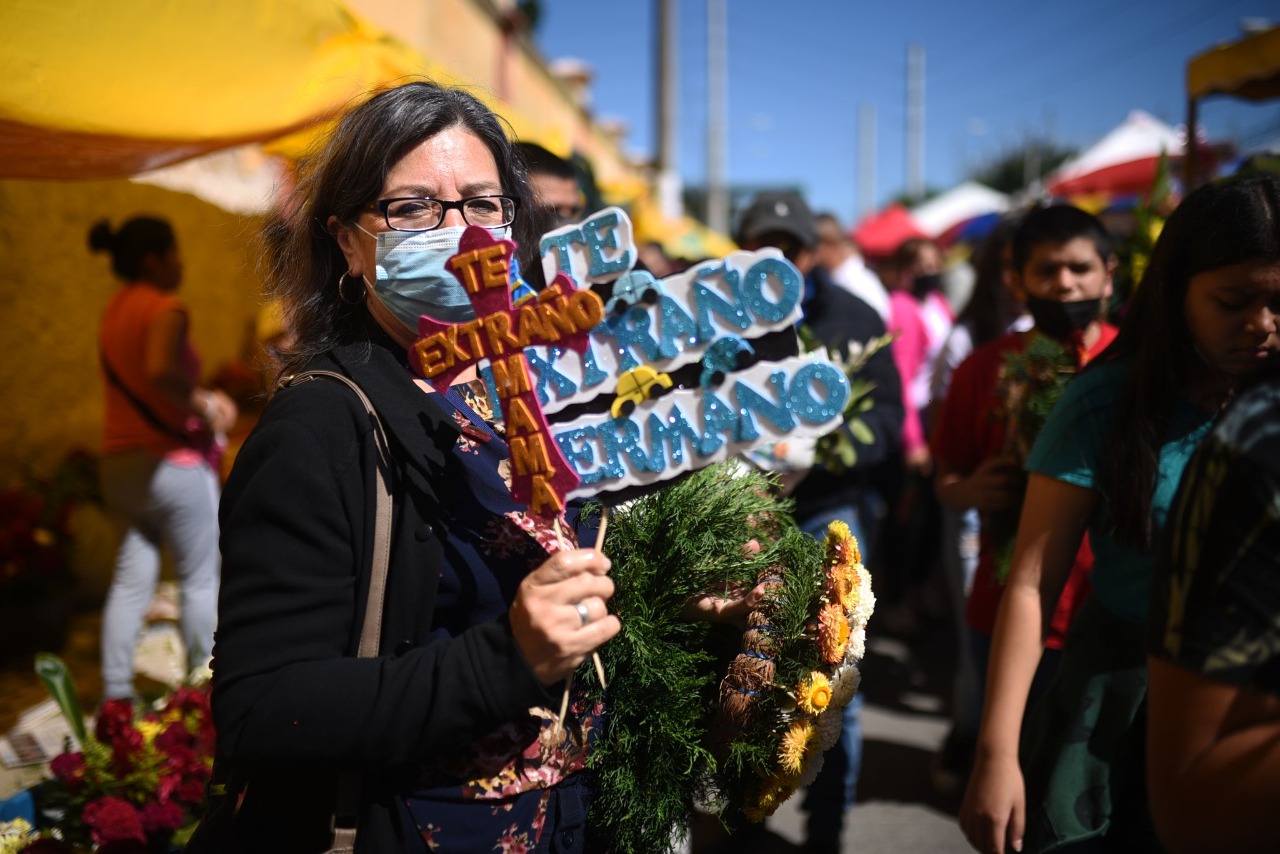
957	206
1123	161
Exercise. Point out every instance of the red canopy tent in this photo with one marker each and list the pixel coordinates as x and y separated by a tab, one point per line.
879	234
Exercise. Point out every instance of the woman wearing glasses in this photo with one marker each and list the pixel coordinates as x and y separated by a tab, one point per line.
453	728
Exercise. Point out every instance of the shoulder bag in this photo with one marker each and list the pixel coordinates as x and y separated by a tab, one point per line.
210	445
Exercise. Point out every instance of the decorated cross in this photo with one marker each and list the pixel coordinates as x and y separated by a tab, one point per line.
672	378
562	315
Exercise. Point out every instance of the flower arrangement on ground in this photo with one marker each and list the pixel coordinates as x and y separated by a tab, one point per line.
707	714
137	781
36	540
16	835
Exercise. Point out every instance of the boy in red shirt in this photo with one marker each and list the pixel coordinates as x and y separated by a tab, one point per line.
1062	268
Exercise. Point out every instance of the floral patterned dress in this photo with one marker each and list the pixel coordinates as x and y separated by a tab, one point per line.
516	789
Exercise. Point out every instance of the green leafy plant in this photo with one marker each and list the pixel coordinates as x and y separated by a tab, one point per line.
837	451
1029	385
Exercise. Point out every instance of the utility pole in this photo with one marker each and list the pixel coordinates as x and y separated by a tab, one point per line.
866	159
1031	161
717	109
915	121
669	189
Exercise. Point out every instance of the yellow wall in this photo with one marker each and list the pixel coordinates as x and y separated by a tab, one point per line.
54	290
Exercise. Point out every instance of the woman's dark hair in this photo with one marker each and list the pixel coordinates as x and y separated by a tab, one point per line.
304	263
909	251
136	239
1216	226
991	307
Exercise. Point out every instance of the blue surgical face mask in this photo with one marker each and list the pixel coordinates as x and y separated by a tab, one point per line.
412	279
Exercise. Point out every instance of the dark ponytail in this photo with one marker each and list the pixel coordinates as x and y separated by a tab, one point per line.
136	239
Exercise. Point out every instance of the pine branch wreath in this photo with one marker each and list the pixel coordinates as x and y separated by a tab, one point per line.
682	727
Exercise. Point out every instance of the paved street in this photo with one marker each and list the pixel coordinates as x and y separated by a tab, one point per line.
907	690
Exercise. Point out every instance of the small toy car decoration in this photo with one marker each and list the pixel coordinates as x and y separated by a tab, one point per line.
637	386
637	287
730	353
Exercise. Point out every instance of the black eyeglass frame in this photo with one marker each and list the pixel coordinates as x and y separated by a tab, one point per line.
383	206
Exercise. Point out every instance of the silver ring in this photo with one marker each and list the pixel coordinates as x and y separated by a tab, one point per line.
583	614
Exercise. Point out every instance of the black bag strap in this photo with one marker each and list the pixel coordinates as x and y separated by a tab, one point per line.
145	411
343	824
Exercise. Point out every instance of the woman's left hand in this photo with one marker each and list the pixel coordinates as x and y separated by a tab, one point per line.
732	605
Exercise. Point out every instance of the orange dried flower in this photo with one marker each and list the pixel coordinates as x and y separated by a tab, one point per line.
833	633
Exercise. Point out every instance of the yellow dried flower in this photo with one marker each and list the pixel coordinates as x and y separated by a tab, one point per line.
814	694
773	792
833	633
794	746
836	532
841	546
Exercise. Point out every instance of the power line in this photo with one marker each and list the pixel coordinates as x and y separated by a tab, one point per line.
1062	36
1122	54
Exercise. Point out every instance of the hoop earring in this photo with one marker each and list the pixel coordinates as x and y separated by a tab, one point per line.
342	289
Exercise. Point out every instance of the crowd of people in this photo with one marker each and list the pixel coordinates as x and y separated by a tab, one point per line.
1017	472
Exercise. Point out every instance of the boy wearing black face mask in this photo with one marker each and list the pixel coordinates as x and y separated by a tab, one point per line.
1062	266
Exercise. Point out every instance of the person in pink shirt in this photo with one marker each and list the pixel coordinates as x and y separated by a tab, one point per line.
910	346
912	527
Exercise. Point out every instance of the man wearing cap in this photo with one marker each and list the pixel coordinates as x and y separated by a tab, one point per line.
837	318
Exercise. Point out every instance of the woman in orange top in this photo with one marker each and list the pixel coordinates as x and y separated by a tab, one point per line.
159	430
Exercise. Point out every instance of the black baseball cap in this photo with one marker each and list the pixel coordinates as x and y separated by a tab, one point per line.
778	211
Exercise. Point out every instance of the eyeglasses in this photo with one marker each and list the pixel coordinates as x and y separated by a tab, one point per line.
421	214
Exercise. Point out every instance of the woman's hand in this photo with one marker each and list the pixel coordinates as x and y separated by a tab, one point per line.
219	410
550	628
996	484
919	461
995	806
731	605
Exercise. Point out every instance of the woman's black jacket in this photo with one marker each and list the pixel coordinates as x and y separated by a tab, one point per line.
292	704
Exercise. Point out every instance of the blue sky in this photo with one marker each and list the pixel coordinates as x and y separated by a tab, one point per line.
799	70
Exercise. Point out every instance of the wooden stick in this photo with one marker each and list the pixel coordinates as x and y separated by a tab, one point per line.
564	705
604	524
595	656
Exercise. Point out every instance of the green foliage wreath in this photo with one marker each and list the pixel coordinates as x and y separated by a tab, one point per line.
679	729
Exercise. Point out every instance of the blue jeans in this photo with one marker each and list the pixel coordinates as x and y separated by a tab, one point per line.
831	795
960	562
167	505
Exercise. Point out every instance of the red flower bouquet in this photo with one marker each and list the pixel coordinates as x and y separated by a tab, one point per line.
138	780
